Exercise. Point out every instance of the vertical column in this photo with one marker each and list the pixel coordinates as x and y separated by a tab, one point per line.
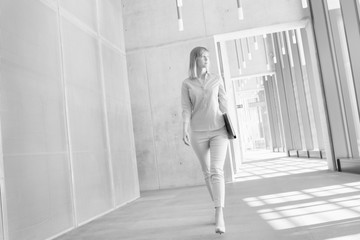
352	29
342	59
289	65
3	206
234	149
291	102
303	106
318	96
336	145
240	136
269	106
268	128
278	112
275	113
284	113
309	79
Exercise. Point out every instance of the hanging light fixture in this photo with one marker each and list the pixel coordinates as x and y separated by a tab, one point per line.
293	36
238	84
256	45
179	15
266	55
289	48
300	46
240	10
283	50
248	49
237	57
273	48
279	46
304	3
242	53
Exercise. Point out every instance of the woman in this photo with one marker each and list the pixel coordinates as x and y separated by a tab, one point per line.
204	101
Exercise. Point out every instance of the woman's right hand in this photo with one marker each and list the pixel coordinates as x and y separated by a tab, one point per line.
186	138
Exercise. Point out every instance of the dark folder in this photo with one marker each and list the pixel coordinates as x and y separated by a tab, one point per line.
229	127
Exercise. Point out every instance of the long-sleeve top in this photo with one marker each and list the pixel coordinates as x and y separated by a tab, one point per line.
204	103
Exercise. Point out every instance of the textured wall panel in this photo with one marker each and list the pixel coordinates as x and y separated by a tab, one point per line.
35	106
86	123
38	195
120	126
33	122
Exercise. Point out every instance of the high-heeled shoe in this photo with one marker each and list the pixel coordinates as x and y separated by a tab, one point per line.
219	222
220	229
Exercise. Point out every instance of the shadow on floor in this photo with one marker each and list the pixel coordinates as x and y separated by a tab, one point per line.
275	199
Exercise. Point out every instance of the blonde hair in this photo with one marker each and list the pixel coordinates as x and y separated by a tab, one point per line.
194	54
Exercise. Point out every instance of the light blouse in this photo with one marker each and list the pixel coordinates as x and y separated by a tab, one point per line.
203	103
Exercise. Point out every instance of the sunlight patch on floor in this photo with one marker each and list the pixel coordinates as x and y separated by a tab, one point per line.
278	168
327	204
348	237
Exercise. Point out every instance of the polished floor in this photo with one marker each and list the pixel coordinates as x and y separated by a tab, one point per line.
278	198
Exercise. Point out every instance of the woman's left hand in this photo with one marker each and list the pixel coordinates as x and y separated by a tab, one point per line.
186	138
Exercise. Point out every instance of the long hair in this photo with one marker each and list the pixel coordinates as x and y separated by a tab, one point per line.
194	54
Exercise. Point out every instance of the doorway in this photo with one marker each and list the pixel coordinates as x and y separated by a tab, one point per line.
253	114
275	93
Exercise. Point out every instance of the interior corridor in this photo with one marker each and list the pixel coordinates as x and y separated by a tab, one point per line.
92	123
272	199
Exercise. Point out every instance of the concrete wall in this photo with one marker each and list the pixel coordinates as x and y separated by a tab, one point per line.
157	56
68	145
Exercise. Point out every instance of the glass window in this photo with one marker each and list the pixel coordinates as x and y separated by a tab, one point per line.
345	76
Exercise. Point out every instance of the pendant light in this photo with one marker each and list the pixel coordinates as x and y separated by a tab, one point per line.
304	3
256	45
289	48
237	57
240	10
300	46
179	15
266	55
293	36
283	50
242	54
278	37
273	48
248	49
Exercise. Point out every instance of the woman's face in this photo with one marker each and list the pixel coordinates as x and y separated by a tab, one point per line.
203	61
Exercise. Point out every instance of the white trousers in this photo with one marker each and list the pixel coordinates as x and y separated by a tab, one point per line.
210	148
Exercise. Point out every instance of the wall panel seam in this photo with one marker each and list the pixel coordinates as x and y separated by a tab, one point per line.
106	120
66	114
81	25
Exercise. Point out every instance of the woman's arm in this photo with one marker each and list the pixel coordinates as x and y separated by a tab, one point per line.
186	112
186	135
222	97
